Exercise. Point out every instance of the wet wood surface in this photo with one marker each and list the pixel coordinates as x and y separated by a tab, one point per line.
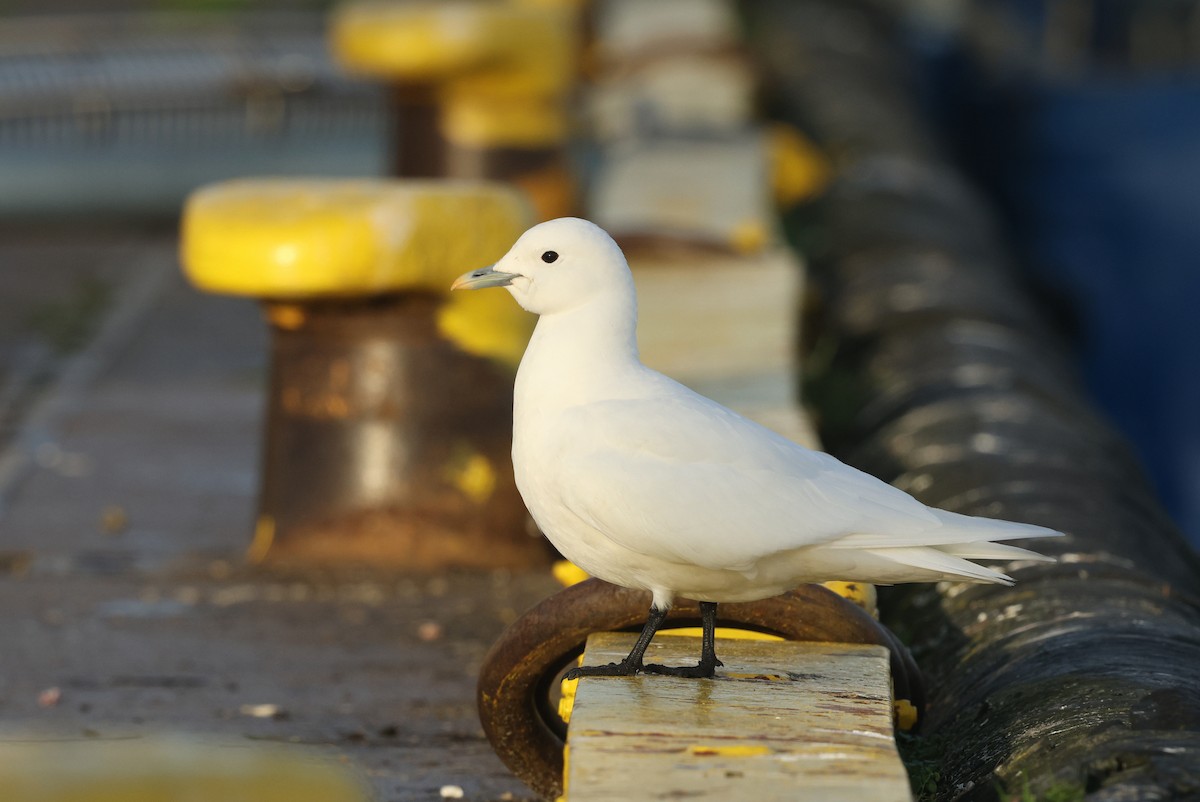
781	721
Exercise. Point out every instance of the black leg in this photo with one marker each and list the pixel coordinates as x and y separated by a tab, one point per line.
708	649
631	664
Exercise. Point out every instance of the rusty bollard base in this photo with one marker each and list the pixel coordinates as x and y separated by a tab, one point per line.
389	407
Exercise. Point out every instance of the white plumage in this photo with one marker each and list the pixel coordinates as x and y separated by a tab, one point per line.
644	483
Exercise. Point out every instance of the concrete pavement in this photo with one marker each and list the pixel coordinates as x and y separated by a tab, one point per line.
129	478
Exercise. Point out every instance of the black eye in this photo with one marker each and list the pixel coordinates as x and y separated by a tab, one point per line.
549	256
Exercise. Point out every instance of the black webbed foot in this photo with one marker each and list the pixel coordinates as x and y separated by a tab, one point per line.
703	670
632	664
625	668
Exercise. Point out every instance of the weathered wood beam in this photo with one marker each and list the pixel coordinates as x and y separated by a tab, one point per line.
781	721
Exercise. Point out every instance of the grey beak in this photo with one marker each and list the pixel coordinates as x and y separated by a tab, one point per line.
483	277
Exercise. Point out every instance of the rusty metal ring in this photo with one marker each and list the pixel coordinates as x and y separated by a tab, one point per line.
515	680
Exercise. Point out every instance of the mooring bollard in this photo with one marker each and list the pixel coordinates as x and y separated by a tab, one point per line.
480	89
389	410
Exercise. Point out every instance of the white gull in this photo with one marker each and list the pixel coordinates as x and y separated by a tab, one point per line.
644	483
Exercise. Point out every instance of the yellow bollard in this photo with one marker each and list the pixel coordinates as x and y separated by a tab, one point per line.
480	88
389	411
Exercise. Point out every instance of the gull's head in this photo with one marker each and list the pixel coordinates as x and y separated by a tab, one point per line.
556	266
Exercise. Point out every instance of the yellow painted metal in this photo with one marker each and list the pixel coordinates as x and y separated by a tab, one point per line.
781	721
303	239
298	238
729	633
502	69
566	701
861	593
568	573
168	769
799	170
906	714
419	41
488	324
483	119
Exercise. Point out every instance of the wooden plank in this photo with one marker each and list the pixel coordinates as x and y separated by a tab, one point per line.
782	721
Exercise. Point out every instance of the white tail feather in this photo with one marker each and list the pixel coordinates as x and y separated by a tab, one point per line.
986	550
944	551
939	562
954	529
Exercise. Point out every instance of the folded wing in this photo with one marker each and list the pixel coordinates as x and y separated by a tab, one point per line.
685	480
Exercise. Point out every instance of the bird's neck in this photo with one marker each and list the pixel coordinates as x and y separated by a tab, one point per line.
584	354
